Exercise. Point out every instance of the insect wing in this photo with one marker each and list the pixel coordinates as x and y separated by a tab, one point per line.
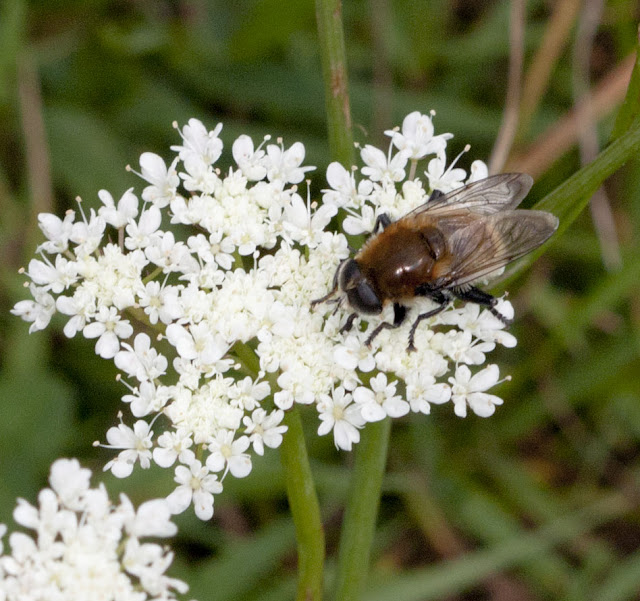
491	242
501	192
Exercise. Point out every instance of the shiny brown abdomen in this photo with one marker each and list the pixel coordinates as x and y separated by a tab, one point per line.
400	258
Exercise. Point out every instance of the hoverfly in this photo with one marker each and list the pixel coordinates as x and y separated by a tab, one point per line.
439	251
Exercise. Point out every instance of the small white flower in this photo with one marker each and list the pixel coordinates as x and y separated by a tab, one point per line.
81	307
147	398
53	278
87	234
153	518
141	233
417	136
199	343
284	166
141	361
173	445
118	216
380	167
195	484
198	142
108	329
56	230
249	161
344	191
69	481
422	390
229	455
470	390
359	224
160	303
443	179
264	429
479	170
248	393
380	400
39	311
163	180
302	225
172	255
352	355
337	412
136	443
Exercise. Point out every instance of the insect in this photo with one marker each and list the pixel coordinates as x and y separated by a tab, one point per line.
439	250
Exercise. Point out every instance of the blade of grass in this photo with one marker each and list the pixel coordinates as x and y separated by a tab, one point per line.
450	578
630	107
569	199
623	582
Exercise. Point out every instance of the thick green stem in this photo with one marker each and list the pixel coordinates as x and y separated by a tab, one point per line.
305	509
371	453
334	74
362	511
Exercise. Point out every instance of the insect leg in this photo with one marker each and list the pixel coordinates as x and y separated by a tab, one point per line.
435	195
475	295
333	290
349	323
412	332
439	296
399	314
382	221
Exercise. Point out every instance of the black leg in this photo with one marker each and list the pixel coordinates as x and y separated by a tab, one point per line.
382	221
326	297
475	295
333	290
349	323
435	195
399	314
411	348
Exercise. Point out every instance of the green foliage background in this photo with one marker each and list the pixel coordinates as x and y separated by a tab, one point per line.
538	502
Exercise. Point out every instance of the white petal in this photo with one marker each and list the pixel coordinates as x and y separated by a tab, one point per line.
485	379
372	412
240	466
180	499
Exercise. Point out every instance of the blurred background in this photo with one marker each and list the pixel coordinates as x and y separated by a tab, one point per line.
538	502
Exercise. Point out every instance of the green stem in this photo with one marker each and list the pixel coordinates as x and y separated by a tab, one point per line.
362	511
334	75
305	509
371	453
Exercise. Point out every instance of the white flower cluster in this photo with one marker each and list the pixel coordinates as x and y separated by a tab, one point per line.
202	297
84	548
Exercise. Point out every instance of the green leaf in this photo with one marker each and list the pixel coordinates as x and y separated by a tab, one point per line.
86	154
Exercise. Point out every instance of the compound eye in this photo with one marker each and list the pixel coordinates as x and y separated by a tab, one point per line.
350	275
364	299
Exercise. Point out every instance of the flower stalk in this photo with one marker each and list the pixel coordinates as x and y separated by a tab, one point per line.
334	75
362	510
305	509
